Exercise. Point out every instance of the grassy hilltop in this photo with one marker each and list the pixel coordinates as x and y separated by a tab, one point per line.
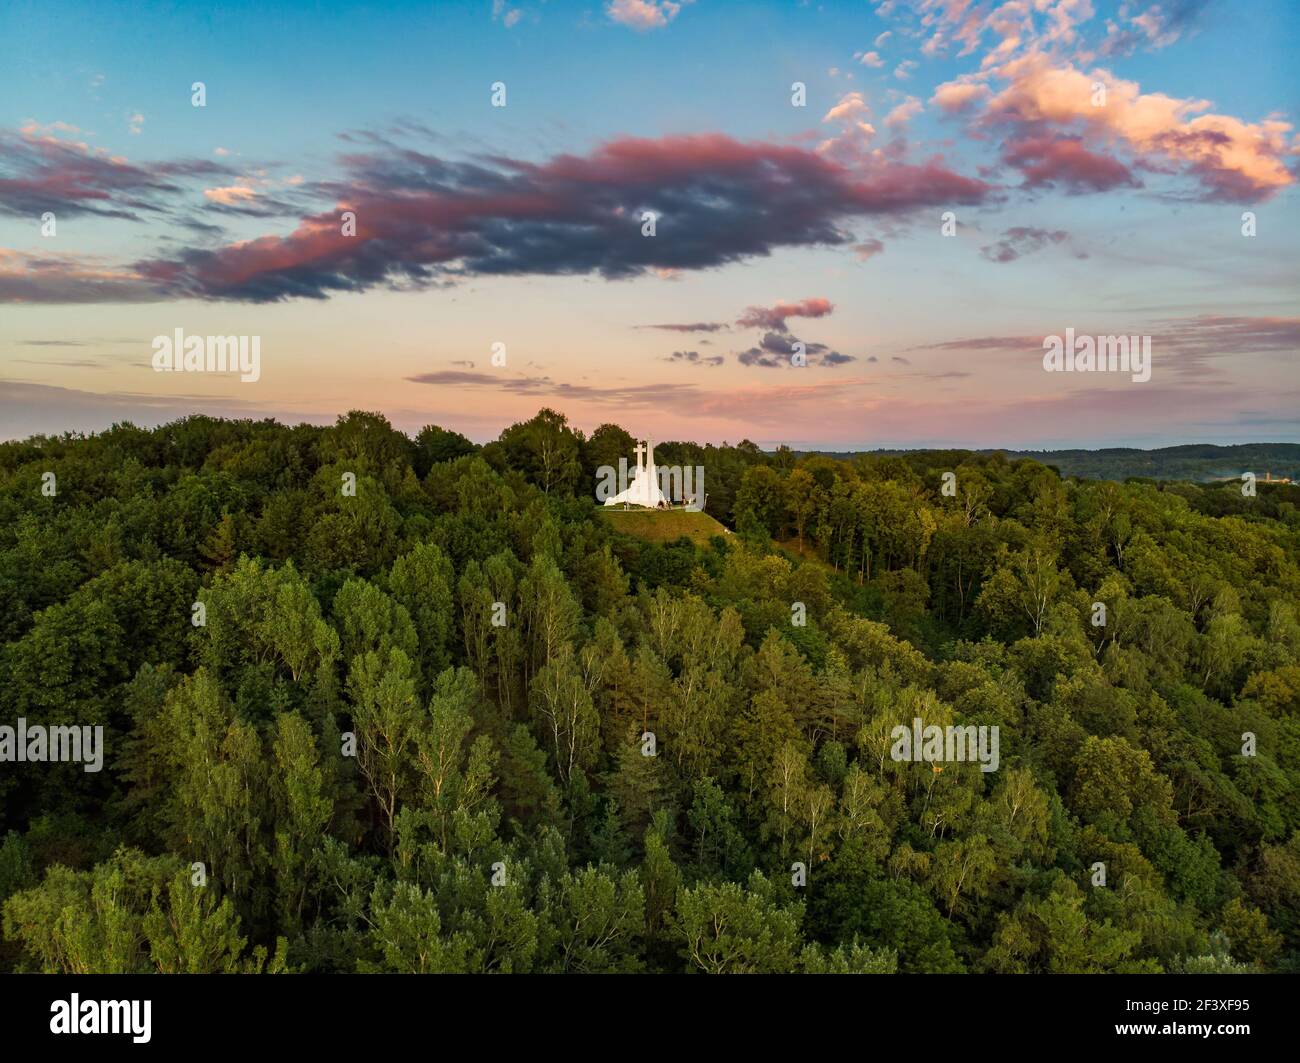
664	526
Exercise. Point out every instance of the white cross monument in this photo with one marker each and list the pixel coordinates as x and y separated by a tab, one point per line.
644	489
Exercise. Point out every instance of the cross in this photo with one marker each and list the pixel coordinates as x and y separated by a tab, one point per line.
638	450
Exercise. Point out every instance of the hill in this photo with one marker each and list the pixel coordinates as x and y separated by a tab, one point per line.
1195	462
664	526
348	672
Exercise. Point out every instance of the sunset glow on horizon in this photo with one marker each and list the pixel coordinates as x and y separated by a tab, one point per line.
945	194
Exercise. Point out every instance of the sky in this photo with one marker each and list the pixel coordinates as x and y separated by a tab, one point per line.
826	225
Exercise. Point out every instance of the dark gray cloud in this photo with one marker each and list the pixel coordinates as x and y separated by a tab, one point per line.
1020	241
699	326
630	395
695	358
1162	24
69	363
985	343
421	219
73	343
40	173
26	278
775	349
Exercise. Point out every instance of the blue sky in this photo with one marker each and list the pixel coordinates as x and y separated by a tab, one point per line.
485	224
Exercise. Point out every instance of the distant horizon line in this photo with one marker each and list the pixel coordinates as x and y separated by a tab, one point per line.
766	446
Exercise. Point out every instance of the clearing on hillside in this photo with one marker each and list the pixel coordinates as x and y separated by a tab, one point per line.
664	525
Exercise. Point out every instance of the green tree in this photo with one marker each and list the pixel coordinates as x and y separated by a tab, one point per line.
726	928
546	450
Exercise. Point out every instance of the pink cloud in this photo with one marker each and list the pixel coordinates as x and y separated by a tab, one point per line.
232	195
904	113
1055	160
868	249
40	171
1230	158
956	96
422	220
852	107
774	317
642	15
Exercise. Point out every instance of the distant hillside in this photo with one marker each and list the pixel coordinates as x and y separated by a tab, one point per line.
1197	462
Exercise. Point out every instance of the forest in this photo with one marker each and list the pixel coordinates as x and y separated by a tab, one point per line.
1200	462
380	704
